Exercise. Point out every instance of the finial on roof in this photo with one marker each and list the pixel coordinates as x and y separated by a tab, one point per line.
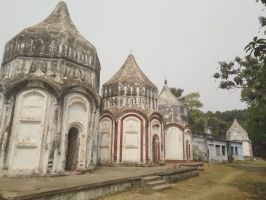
130	52
165	81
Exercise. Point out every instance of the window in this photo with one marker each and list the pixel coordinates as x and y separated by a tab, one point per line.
218	153
236	150
223	150
232	151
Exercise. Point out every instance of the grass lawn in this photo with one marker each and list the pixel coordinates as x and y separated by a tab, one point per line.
240	180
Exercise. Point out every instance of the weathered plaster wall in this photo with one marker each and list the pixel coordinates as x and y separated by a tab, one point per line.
200	149
216	153
131	140
246	148
236	150
29	129
173	143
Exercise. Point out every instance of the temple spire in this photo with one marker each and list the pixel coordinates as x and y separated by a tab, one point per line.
165	81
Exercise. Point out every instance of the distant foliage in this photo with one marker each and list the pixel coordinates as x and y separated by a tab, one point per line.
249	75
177	92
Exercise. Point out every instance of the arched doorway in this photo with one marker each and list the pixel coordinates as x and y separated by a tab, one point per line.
155	149
72	149
188	149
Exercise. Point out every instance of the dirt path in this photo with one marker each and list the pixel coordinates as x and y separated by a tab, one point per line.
242	180
222	185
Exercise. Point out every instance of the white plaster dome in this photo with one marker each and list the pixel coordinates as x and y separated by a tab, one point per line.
172	110
130	87
55	37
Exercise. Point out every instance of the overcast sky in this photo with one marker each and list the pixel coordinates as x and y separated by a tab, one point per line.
179	40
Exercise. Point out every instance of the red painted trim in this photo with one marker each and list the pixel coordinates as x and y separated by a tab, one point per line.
177	161
111	142
155	135
159	156
147	143
115	142
110	116
157	116
175	125
141	136
183	144
133	111
164	142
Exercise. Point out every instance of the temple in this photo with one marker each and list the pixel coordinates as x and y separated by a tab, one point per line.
49	99
237	133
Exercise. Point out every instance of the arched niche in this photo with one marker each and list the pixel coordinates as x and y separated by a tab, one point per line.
77	115
131	136
173	143
29	129
105	131
188	145
72	149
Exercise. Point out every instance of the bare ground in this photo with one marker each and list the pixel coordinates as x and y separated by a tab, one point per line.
240	180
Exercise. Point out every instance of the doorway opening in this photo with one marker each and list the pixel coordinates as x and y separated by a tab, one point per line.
188	149
72	149
155	149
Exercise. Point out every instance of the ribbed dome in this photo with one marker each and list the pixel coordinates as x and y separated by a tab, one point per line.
55	37
130	88
130	73
170	107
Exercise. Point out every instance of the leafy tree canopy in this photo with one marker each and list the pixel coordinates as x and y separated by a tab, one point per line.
192	101
177	92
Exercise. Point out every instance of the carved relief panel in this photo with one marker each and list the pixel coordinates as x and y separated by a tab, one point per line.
58	71
45	45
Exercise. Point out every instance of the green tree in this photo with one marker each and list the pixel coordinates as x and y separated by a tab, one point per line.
192	101
249	74
196	117
177	92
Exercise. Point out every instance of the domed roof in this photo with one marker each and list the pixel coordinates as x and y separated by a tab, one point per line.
170	107
237	128
129	89
130	73
55	37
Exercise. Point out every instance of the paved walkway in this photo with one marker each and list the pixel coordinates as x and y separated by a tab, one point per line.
14	187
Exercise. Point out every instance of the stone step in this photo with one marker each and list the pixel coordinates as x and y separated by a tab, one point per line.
149	179
155	183
161	188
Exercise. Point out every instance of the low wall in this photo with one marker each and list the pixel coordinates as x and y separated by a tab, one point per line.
92	191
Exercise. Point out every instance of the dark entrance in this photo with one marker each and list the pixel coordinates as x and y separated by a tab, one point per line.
188	149
155	149
72	149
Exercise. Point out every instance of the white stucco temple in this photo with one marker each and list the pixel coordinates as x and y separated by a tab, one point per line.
237	133
49	101
53	120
